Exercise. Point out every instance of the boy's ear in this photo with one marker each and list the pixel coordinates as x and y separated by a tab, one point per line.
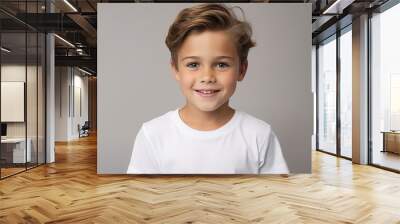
242	70
174	70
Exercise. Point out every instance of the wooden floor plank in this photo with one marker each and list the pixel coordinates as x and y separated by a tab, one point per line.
70	191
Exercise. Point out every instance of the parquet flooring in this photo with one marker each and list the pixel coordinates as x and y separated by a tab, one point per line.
10	171
70	191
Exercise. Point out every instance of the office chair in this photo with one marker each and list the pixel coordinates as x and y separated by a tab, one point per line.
84	130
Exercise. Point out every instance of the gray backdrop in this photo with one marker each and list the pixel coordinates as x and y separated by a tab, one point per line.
135	83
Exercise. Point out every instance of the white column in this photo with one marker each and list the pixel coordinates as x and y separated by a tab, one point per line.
50	100
50	91
360	90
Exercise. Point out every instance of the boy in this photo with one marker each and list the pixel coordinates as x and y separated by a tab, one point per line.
209	48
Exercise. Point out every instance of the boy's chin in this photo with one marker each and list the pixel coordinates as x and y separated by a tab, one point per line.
208	108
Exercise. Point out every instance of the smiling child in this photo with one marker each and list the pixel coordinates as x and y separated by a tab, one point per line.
209	48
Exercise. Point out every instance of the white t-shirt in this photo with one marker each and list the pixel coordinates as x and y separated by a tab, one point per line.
244	145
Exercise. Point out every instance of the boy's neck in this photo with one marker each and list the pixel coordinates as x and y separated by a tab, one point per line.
206	120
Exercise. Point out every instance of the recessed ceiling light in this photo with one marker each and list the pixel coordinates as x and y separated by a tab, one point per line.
5	49
70	5
64	40
337	6
84	71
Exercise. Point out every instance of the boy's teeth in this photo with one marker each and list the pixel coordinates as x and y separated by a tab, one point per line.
206	91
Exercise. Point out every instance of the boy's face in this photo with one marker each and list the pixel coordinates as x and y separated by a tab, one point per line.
208	69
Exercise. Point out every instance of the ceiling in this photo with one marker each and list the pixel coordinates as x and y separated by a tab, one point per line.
76	22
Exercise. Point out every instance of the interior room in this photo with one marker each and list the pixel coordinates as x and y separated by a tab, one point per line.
51	125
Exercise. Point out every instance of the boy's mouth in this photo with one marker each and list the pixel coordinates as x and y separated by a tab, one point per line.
206	92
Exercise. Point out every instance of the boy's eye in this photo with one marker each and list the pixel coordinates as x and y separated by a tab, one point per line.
192	65
222	65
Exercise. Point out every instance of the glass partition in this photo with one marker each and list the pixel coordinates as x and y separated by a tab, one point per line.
346	93
327	95
22	63
385	89
13	94
32	95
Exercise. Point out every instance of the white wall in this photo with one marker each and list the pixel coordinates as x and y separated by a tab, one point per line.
61	103
67	81
81	83
17	72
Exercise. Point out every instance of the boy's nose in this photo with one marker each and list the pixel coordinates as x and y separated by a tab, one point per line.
208	76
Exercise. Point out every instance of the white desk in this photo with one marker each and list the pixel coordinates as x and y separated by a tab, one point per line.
18	149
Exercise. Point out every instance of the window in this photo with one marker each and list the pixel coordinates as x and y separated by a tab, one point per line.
327	96
346	93
385	88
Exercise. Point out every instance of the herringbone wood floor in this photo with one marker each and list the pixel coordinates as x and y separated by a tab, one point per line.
70	191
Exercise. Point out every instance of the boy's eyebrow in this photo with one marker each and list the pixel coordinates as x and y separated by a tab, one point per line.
196	57
223	57
190	57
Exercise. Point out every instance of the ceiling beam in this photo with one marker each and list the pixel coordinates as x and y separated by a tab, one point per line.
85	61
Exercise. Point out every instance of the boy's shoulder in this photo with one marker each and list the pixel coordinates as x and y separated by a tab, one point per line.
160	123
250	122
159	126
